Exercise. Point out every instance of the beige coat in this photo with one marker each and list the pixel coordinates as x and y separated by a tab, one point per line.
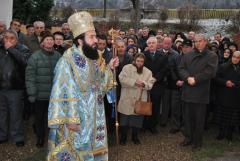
129	92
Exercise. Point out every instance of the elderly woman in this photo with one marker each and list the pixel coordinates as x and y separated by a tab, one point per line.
133	78
228	81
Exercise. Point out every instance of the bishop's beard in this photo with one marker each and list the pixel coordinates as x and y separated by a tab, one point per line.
139	69
89	51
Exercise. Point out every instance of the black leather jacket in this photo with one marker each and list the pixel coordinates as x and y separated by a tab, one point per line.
12	67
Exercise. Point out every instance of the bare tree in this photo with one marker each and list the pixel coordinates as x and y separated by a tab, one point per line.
163	16
189	14
236	21
67	12
114	19
136	13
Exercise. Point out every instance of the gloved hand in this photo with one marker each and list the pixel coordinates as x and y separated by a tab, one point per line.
32	99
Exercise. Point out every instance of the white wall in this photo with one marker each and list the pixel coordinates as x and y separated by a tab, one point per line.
6	11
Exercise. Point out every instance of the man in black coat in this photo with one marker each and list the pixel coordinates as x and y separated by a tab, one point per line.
171	99
13	60
157	63
196	69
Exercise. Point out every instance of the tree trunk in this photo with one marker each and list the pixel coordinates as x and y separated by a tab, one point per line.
136	13
104	8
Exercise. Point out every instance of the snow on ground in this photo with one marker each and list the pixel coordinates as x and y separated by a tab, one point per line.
211	26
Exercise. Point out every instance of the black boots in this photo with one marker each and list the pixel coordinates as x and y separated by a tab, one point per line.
225	132
229	133
20	143
40	143
135	138
123	139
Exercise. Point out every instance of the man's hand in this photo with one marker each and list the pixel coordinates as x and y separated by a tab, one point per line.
191	81
8	44
146	49
139	83
230	84
73	127
153	80
114	62
179	83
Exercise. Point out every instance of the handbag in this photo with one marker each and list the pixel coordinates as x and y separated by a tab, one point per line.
142	107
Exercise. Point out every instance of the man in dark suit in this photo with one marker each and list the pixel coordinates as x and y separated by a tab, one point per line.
196	69
171	98
157	63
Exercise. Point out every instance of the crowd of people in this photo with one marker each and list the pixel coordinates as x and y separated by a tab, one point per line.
188	76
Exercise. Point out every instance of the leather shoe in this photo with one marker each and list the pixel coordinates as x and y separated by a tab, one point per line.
220	137
3	141
173	131
185	143
34	128
20	143
153	130
123	142
136	141
40	143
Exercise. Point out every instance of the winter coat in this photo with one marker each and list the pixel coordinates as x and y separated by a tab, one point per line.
129	92
39	74
203	67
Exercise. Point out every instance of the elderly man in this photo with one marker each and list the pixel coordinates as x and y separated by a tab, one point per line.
197	68
157	63
76	116
13	60
134	79
124	59
67	32
33	41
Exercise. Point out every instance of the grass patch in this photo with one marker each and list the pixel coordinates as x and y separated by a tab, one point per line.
213	148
